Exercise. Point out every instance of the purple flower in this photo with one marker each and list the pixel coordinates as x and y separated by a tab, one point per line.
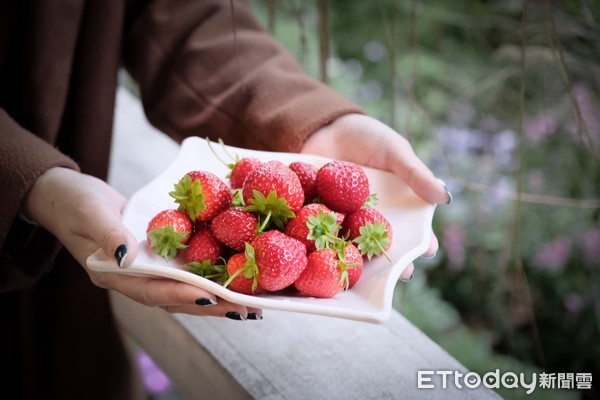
154	380
553	255
540	127
453	239
589	112
590	243
573	303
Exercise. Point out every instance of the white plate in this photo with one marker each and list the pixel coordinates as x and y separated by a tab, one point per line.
369	300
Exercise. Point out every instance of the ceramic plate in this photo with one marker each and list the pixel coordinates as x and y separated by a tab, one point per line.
369	300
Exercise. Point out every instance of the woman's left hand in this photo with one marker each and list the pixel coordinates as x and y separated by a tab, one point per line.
369	142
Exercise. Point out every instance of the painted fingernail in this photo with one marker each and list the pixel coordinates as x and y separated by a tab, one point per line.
121	254
205	301
234	315
409	278
448	195
254	316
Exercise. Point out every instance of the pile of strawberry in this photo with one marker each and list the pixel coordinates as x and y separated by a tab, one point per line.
274	227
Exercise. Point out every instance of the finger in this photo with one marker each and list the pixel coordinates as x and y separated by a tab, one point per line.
173	296
113	237
408	273
433	247
221	309
417	175
155	292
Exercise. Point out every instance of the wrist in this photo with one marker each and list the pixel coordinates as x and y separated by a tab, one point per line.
37	206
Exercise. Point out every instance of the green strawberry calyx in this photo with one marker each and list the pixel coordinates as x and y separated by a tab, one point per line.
238	198
249	270
188	194
270	209
208	270
373	240
166	241
323	229
371	201
340	250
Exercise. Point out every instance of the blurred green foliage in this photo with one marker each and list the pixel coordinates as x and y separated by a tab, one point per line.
502	100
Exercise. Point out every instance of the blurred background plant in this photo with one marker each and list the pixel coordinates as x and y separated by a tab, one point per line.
501	98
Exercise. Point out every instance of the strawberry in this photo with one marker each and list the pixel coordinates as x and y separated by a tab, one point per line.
342	186
314	222
240	170
354	263
273	191
307	173
328	271
243	272
201	195
234	226
370	230
280	259
168	231
203	246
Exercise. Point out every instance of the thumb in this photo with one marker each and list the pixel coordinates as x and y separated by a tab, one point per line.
418	176
120	244
117	242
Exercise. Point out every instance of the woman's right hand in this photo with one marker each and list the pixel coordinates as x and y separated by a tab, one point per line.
84	213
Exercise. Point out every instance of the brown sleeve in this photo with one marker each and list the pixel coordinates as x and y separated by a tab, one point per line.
197	78
23	158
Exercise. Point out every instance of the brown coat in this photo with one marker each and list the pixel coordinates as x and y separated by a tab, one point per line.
58	73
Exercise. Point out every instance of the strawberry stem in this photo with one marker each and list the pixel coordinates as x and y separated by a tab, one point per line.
265	221
232	277
216	155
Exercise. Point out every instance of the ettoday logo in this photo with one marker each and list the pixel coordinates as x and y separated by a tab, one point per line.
472	380
510	380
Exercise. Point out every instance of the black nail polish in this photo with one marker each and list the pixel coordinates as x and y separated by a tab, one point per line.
121	254
205	301
410	278
234	315
254	316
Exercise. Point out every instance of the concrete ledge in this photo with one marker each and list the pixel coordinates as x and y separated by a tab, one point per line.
284	356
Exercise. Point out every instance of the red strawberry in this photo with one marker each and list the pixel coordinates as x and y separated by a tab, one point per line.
354	264
342	186
280	259
327	273
309	225
203	246
307	173
274	192
370	230
168	231
201	195
234	226
243	272
240	170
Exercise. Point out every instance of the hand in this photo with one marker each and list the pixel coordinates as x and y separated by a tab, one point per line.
84	213
367	141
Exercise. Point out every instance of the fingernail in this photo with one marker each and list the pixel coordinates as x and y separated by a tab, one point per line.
430	257
205	301
409	278
448	195
121	254
254	316
234	315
